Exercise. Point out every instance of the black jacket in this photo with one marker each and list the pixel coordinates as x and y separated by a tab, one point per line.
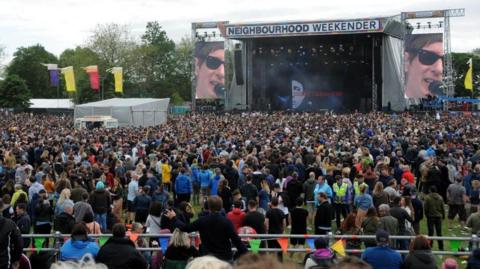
401	215
11	243
64	223
420	259
217	235
324	216
24	224
474	260
120	253
100	201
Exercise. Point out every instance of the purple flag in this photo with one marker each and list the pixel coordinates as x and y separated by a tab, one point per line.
54	82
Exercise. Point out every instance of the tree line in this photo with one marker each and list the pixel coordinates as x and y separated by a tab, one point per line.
153	66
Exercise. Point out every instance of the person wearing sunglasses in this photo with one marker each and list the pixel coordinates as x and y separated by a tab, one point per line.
209	70
423	63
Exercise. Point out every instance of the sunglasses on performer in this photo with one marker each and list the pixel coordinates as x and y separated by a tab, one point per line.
213	62
427	57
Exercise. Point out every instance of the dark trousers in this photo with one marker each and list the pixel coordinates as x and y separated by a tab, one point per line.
340	210
273	243
435	223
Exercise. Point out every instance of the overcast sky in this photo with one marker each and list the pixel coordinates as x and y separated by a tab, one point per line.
62	24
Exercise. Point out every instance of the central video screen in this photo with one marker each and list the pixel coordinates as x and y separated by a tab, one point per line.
312	73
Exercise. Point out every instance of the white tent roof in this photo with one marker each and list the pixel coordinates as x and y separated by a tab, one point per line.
124	102
51	104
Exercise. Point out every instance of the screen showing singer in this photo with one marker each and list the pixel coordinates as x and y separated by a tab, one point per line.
423	64
209	70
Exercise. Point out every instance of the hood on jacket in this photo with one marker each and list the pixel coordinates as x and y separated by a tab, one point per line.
120	241
436	196
424	256
80	244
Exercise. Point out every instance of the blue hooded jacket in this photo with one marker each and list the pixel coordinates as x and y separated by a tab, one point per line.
74	250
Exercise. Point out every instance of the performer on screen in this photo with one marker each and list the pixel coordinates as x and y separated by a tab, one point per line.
209	70
423	63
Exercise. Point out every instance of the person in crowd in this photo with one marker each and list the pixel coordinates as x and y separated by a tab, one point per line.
298	220
183	186
117	193
309	187
100	201
43	214
420	254
275	223
152	223
23	221
324	215
133	192
236	216
80	208
11	243
370	226
382	256
417	205
435	213
141	204
64	197
120	252
379	195
323	257
78	245
254	219
216	232
457	197
349	227
92	226
363	202
264	195
473	261
161	195
402	216
249	190
64	222
225	193
179	250
387	222
341	198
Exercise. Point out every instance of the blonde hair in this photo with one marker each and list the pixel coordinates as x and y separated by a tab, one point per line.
179	239
87	262
64	195
264	185
208	262
378	187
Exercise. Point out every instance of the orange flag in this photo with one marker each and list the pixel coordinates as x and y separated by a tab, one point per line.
283	243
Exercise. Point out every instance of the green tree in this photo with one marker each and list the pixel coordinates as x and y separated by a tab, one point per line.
183	71
115	46
155	66
26	64
460	68
79	58
14	93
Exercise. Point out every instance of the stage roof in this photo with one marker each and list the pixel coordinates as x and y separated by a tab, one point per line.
387	25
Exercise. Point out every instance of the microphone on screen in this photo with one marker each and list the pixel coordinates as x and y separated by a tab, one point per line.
436	87
219	90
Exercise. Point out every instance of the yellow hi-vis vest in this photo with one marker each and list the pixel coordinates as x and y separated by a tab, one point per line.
341	191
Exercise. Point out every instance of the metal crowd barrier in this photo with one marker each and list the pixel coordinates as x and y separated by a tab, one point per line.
474	239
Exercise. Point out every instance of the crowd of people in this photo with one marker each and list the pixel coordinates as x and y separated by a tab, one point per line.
277	173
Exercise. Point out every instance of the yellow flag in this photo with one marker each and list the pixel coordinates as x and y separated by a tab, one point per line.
339	248
69	78
469	77
118	74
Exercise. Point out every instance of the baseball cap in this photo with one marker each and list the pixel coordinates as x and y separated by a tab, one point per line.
382	236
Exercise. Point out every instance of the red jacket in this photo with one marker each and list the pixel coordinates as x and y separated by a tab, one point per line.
236	217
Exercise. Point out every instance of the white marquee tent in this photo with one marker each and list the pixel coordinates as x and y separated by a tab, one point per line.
128	111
